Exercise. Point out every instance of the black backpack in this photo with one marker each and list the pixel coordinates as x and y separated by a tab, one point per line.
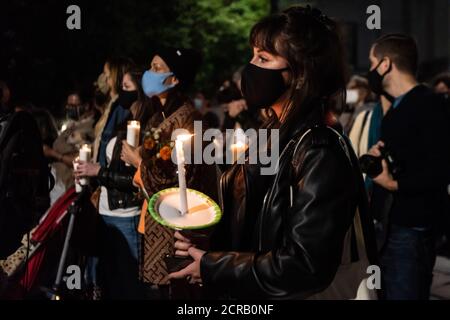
24	179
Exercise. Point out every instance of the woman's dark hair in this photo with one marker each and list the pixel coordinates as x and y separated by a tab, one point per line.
145	107
118	67
76	92
311	44
176	97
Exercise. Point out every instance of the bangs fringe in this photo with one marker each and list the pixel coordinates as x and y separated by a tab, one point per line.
266	33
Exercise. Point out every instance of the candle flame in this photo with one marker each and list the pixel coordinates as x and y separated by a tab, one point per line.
184	137
239	145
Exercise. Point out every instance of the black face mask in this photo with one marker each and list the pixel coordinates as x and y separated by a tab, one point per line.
127	98
73	112
376	81
261	87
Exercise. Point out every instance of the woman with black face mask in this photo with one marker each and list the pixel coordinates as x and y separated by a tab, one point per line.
286	236
118	204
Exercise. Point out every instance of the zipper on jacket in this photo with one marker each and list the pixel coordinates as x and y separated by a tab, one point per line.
268	195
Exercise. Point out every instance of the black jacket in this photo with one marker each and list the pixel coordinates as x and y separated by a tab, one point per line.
24	179
282	236
118	179
417	134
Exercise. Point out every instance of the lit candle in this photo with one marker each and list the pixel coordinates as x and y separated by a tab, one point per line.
237	149
239	146
85	155
181	172
78	187
133	131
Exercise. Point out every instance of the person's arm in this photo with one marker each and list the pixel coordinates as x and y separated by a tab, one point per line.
314	230
130	155
52	153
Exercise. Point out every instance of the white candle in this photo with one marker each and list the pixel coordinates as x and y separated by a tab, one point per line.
133	131
78	187
237	149
181	172
239	146
85	155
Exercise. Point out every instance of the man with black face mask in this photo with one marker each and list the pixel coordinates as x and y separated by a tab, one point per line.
415	134
78	129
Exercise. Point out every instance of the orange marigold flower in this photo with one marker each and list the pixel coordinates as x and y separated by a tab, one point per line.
165	153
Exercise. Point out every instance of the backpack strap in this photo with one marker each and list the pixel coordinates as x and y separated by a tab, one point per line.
361	131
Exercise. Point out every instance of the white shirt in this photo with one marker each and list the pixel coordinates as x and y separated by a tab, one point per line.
103	204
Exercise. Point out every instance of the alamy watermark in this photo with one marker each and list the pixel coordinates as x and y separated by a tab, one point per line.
73	277
373	22
73	22
212	146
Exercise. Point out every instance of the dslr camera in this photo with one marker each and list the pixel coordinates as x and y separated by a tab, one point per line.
372	166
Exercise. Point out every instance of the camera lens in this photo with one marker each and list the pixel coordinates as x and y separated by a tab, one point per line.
370	165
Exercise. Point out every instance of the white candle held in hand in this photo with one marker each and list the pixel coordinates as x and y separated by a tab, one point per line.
78	187
85	155
133	132
239	146
181	172
237	150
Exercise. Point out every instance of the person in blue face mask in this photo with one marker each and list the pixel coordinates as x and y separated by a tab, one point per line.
170	74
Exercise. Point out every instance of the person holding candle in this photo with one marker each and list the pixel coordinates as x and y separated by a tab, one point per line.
171	72
114	114
119	203
283	236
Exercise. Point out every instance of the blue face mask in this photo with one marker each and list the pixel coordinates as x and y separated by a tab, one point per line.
198	103
153	83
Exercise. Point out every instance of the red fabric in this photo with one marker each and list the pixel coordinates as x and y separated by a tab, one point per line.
47	228
54	217
31	272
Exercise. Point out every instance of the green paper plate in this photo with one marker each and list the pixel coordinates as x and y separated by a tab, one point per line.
168	199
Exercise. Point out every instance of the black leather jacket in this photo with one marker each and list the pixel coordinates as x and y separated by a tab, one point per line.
281	236
118	179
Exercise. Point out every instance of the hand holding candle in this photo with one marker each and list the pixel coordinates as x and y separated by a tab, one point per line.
78	187
85	155
133	133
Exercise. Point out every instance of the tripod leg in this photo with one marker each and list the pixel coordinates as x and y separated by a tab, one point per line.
62	260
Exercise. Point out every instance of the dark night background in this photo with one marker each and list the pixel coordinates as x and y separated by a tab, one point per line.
47	59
